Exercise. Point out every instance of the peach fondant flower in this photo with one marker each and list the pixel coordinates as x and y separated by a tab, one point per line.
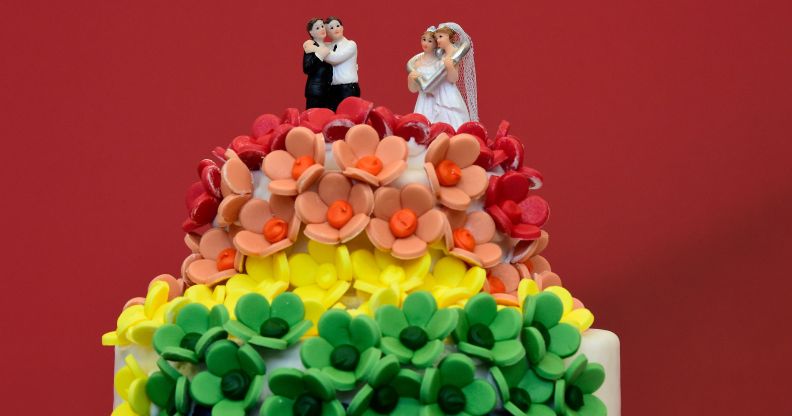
269	226
236	187
337	212
214	258
527	252
453	176
471	238
295	169
363	156
406	221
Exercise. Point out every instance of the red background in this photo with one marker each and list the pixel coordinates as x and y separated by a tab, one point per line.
662	130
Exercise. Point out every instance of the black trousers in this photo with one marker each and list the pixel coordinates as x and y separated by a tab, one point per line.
341	91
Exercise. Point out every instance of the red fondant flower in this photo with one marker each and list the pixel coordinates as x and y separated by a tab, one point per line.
515	212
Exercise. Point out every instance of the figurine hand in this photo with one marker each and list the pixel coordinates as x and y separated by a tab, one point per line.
448	62
309	46
414	75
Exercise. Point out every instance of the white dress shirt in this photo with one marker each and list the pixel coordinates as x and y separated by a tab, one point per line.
344	61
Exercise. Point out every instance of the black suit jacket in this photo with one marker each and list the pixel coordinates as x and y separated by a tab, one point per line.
320	75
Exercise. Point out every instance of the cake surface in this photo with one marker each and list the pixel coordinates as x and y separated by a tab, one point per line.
359	262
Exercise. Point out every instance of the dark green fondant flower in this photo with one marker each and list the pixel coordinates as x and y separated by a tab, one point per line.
345	350
415	333
523	392
169	389
300	393
485	332
547	341
275	327
389	390
573	394
233	379
452	389
194	329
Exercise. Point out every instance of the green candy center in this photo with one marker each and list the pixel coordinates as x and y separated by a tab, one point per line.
384	400
413	337
480	335
234	385
345	357
307	405
274	328
520	398
189	340
574	397
451	399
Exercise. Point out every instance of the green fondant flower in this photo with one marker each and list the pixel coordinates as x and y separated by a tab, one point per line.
415	334
522	391
169	389
275	327
389	390
195	328
485	332
345	350
547	341
573	393
452	389
298	393
233	379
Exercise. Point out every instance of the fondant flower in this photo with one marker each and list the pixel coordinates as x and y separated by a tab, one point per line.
205	295
364	157
488	333
268	227
337	212
275	327
574	312
452	283
452	389
573	394
236	186
267	276
523	393
471	238
214	258
194	329
130	384
416	333
295	169
176	288
389	390
233	379
449	165
345	350
516	213
526	250
546	340
379	270
301	393
138	321
219	194
169	389
318	282
405	221
502	283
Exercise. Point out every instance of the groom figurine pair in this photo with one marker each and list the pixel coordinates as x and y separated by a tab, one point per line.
335	61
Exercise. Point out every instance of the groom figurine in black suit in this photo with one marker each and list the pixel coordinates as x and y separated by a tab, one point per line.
341	53
320	73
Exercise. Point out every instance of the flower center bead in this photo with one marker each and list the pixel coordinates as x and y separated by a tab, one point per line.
307	405
480	335
448	173
189	340
300	165
225	260
464	239
275	230
384	400
339	213
274	328
371	164
451	399
520	398
234	385
413	337
345	357
495	284
403	223
574	397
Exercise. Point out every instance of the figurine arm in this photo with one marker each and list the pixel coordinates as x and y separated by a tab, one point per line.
452	73
412	83
309	61
344	51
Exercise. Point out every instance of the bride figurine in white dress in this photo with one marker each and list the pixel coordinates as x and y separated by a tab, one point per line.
444	76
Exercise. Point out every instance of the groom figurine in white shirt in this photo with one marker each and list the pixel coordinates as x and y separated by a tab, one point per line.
342	54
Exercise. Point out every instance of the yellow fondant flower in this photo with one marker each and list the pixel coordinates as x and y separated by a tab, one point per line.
452	283
136	324
267	276
322	275
579	317
130	384
378	270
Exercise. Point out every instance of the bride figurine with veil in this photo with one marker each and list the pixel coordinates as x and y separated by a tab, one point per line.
444	76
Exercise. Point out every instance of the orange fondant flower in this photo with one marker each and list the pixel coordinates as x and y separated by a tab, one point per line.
268	226
449	165
472	236
338	211
214	259
295	169
364	157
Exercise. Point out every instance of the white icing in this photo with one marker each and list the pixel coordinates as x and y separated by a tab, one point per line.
415	173
330	162
261	185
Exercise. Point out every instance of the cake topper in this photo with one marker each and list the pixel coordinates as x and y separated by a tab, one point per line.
444	76
341	53
320	73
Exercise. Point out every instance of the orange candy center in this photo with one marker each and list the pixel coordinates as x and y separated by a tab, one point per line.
448	173
371	164
403	223
300	165
275	230
225	260
339	213
495	284
464	239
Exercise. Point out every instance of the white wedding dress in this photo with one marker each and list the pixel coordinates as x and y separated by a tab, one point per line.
444	103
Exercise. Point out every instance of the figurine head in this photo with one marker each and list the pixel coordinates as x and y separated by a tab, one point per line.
335	29
428	43
316	28
443	36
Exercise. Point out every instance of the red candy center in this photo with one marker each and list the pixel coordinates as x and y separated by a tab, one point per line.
275	230
448	173
339	213
403	223
300	165
464	239
371	164
225	260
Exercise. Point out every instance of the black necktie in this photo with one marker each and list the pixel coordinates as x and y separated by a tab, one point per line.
335	47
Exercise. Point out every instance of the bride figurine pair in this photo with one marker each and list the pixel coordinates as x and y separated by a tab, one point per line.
444	76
